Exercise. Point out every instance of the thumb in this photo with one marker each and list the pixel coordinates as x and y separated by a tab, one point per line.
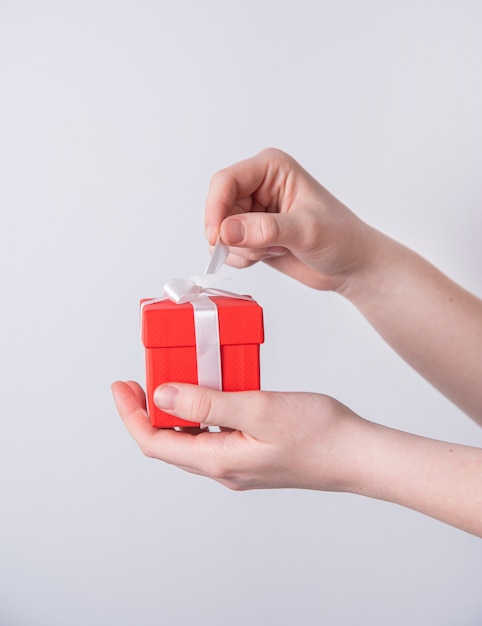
263	230
240	410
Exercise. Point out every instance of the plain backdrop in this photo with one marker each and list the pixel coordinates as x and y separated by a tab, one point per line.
113	117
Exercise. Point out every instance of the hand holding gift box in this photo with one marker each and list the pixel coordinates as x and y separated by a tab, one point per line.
198	334
269	208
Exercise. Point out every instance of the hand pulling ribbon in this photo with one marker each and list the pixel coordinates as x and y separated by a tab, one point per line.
196	290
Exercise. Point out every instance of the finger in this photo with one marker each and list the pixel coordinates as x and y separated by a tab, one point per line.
139	391
296	231
131	407
255	254
238	261
286	263
246	411
252	184
241	258
166	445
226	186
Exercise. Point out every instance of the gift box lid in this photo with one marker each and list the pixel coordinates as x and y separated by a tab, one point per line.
167	325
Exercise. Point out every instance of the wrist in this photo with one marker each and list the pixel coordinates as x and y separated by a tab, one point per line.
376	258
360	472
343	459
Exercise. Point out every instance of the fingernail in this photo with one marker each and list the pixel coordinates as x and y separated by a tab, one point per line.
165	397
234	231
209	232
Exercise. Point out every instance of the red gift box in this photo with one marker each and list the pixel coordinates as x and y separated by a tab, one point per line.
169	338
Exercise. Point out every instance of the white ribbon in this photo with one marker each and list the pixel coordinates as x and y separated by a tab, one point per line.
197	290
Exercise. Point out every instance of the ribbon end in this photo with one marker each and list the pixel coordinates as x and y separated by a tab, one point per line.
219	255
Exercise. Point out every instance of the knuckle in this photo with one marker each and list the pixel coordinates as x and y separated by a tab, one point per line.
223	178
241	261
273	154
218	176
147	448
219	470
262	404
268	229
220	464
252	256
201	406
234	486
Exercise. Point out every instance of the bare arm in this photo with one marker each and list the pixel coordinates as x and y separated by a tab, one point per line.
440	479
268	208
432	322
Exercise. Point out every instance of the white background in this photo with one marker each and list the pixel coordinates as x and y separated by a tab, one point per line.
113	117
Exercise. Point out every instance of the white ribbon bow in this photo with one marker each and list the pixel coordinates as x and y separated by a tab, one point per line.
181	290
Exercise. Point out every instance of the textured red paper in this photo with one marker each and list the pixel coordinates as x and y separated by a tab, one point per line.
169	339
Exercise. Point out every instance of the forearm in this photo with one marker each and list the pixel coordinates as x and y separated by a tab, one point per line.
434	324
442	480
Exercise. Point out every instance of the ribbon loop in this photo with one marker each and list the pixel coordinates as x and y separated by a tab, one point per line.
181	290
